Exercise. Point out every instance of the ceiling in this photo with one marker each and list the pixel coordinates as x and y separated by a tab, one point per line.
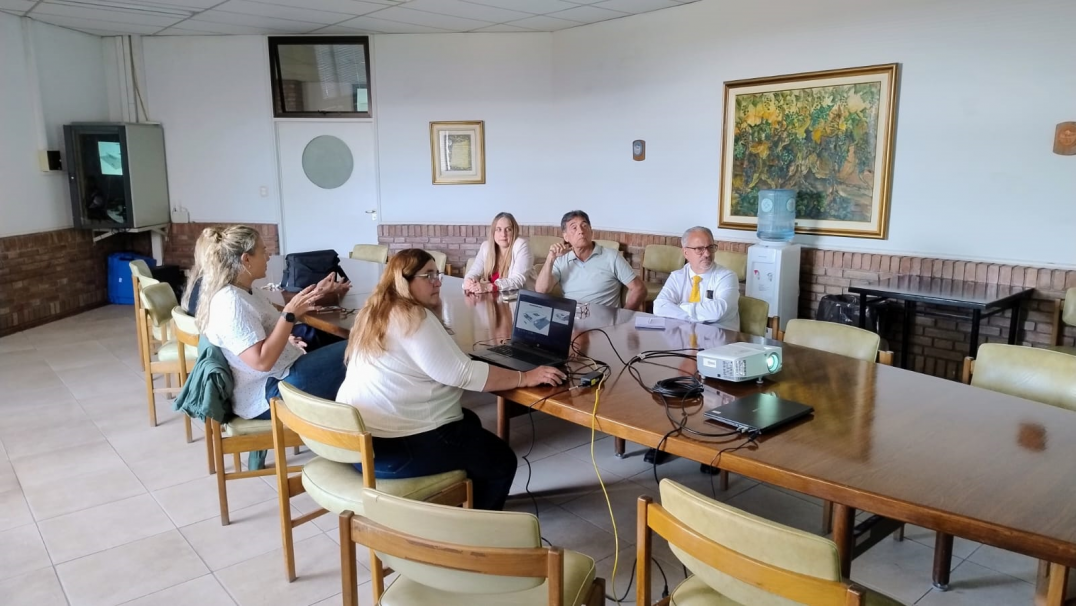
202	17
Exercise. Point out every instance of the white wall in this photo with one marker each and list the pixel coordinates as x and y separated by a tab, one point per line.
67	71
503	79
211	94
984	83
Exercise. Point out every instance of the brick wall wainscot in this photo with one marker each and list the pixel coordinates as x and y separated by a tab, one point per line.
938	345
54	274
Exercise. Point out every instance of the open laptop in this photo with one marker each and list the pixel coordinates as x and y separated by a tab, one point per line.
541	334
758	413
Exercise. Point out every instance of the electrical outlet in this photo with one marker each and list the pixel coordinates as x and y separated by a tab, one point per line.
263	191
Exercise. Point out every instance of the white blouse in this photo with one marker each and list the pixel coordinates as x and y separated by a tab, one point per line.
415	385
520	275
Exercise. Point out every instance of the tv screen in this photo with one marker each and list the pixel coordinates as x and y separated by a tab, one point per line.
111	157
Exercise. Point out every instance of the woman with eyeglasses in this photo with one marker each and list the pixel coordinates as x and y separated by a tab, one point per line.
504	261
406	376
255	338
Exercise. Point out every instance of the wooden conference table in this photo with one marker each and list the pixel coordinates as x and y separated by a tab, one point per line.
907	446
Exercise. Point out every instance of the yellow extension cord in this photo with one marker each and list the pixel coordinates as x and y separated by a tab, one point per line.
608	503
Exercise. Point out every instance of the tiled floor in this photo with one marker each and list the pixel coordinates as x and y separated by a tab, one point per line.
98	508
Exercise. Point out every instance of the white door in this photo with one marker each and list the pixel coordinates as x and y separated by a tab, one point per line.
328	185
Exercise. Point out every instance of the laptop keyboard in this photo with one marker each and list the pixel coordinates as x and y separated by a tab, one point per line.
518	354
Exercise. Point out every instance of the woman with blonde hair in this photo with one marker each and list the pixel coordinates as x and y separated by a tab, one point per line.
504	261
256	338
406	376
194	278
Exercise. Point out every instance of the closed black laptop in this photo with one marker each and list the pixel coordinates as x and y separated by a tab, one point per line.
541	334
758	413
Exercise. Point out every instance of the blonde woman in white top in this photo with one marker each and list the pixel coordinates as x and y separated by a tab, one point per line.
406	375
504	261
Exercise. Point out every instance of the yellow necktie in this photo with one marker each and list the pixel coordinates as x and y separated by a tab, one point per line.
695	295
694	340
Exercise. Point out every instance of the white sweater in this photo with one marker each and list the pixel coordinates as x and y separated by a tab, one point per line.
520	275
415	385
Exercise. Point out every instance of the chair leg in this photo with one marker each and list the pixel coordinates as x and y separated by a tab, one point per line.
187	428
152	402
597	593
222	490
210	459
827	517
237	462
295	451
619	445
348	570
377	576
724	480
898	534
469	503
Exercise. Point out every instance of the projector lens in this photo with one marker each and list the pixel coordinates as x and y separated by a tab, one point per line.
772	362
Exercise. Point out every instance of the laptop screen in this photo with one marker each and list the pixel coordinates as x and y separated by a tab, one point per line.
544	322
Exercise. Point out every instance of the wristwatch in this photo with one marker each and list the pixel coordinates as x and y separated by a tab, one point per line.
288	317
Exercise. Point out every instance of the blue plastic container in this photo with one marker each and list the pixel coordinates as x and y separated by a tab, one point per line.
119	276
777	214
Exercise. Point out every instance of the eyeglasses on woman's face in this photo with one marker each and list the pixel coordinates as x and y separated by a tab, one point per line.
431	276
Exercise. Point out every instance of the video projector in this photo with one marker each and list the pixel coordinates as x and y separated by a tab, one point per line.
739	361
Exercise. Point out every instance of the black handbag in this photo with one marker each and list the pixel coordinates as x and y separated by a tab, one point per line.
306	268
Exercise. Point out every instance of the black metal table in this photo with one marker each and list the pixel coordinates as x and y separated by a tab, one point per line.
983	300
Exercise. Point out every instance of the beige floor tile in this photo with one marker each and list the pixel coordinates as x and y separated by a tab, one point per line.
36	386
161	457
8	479
13	360
559	478
605	454
103	527
64	357
1008	562
63	463
197	500
962	548
524	444
203	591
13	510
253	531
21	551
37	588
567	530
17	342
63	434
899	569
82	492
260	581
623	496
130	571
687	472
973	585
100	379
674	572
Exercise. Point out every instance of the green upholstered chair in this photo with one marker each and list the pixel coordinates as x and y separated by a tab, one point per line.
662	259
374	253
739	558
462	557
338	436
1064	314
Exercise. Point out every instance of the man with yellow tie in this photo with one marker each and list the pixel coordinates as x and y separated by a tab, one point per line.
701	291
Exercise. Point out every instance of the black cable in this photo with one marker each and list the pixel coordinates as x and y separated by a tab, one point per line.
631	579
752	438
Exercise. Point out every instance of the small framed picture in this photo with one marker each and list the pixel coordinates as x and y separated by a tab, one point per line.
458	152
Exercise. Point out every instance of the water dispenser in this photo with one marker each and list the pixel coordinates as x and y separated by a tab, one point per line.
776	215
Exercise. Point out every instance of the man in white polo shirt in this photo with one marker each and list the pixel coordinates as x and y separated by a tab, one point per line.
587	272
701	291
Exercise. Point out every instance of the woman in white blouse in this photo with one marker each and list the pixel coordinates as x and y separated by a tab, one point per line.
406	375
503	262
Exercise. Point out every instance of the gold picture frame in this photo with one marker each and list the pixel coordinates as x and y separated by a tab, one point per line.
829	135
458	152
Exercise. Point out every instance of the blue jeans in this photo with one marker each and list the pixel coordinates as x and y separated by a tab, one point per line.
318	373
488	461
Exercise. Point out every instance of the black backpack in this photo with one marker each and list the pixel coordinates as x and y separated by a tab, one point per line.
306	268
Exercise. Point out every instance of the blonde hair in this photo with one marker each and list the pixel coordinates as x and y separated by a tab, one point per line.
392	297
197	270
222	262
505	265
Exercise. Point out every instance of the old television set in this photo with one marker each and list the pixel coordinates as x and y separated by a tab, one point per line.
117	175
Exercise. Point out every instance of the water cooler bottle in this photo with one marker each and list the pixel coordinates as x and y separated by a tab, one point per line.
773	265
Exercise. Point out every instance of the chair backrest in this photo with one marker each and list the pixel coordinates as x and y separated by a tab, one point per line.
754	316
540	246
440	258
834	338
748	559
158	300
1025	372
186	327
375	253
663	258
736	262
1068	311
610	244
140	268
458	526
332	430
